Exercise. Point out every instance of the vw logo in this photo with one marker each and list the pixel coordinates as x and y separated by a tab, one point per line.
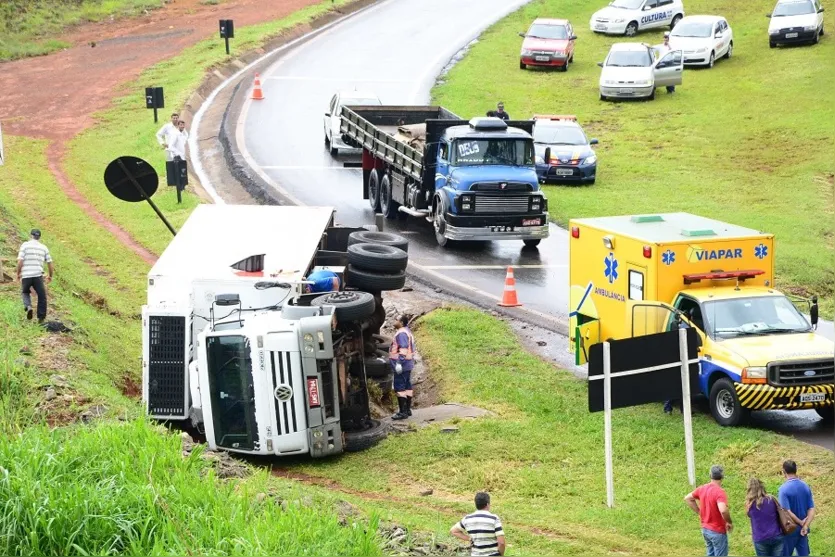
810	373
283	393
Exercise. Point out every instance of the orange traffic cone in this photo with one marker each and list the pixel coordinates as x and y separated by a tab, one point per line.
509	299
257	93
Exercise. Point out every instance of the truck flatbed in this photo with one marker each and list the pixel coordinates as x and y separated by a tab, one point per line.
670	227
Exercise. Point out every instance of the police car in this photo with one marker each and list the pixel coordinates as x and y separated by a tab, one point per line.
703	39
563	153
631	71
627	17
795	21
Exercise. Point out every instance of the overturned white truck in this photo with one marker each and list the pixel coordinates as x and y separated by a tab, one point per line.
232	342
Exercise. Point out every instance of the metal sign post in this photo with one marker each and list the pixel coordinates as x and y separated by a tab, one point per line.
607	421
686	409
155	99
227	31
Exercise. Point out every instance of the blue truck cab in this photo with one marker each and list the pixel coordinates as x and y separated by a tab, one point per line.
473	180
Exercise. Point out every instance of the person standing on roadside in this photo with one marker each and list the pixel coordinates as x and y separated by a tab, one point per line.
481	529
663	49
166	134
30	260
761	508
402	359
710	502
500	113
178	142
796	497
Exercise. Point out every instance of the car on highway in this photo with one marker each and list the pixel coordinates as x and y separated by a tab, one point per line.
632	71
548	42
702	39
627	17
563	152
333	140
795	21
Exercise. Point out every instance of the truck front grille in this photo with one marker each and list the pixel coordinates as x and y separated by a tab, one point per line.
502	204
501	186
285	406
791	374
167	366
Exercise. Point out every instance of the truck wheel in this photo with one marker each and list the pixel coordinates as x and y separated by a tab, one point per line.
374	281
440	226
724	404
350	306
387	205
377	257
827	414
384	238
377	367
374	190
367	438
531	243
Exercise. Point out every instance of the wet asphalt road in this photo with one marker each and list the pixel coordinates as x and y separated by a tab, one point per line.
396	49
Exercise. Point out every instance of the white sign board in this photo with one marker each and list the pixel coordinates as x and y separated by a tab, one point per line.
1	145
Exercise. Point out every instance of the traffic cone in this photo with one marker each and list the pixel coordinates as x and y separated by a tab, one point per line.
257	93
509	299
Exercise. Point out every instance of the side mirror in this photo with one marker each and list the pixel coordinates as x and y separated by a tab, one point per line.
820	11
574	37
522	35
547	156
600	64
813	312
593	141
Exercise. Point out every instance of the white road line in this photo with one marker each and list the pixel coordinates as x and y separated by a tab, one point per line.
308	168
477	267
335	79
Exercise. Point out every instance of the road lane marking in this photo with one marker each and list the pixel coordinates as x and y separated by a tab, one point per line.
308	168
478	267
336	79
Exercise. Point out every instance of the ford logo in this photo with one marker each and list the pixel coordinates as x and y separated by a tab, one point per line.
810	373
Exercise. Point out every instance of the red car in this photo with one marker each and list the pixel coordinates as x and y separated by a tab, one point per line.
548	42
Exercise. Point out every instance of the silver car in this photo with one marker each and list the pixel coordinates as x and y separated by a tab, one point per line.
632	71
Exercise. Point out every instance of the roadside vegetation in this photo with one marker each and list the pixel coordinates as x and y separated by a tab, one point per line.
541	456
749	142
27	27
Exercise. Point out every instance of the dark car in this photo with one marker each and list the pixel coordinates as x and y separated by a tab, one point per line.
563	152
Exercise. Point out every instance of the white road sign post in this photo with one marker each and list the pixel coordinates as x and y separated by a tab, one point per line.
607	420
686	410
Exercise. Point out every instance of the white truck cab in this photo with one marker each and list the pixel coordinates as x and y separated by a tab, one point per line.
628	17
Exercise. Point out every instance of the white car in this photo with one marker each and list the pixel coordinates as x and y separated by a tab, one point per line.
703	39
627	17
632	71
332	121
795	21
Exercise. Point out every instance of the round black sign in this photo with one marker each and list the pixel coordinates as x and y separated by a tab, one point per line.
131	179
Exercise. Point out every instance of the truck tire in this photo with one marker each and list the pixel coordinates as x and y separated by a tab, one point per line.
827	414
387	205
724	404
374	281
374	190
350	306
377	366
377	257
439	223
360	440
384	238
381	342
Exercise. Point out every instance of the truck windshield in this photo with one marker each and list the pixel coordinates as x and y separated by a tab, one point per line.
470	152
232	392
763	315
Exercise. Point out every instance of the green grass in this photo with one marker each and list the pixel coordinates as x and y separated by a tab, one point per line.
749	141
128	128
64	495
26	26
541	456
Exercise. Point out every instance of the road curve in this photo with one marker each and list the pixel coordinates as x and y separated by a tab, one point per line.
396	49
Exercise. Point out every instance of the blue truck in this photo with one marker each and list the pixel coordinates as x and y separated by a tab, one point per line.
472	179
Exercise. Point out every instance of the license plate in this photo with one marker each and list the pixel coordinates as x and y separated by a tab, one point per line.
600	27
791	35
530	222
541	58
813	397
563	172
501	229
627	91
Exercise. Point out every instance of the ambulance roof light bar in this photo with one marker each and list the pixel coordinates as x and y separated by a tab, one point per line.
569	117
720	275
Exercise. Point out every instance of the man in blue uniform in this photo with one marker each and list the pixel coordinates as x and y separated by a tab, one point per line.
323	281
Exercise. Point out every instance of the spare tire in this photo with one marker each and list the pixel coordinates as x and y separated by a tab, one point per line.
375	432
384	238
350	306
377	257
372	281
377	366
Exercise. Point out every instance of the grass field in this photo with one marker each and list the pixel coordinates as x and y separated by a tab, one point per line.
749	141
26	26
541	456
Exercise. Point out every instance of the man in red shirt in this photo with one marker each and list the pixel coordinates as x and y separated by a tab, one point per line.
710	502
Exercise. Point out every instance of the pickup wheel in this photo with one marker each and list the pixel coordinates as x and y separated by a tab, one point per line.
374	190
384	238
724	404
377	257
387	205
350	306
374	281
374	432
827	414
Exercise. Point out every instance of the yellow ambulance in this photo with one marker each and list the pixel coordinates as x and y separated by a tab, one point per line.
643	274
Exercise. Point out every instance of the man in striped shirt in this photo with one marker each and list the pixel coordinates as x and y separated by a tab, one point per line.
482	529
30	259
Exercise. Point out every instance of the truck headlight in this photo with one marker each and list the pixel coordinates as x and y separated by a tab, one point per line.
590	160
468	203
755	374
536	203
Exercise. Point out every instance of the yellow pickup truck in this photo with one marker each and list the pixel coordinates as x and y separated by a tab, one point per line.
642	274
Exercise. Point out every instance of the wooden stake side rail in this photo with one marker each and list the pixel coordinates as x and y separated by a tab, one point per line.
383	146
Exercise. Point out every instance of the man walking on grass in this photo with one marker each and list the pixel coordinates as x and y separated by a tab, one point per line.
482	529
30	260
710	502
